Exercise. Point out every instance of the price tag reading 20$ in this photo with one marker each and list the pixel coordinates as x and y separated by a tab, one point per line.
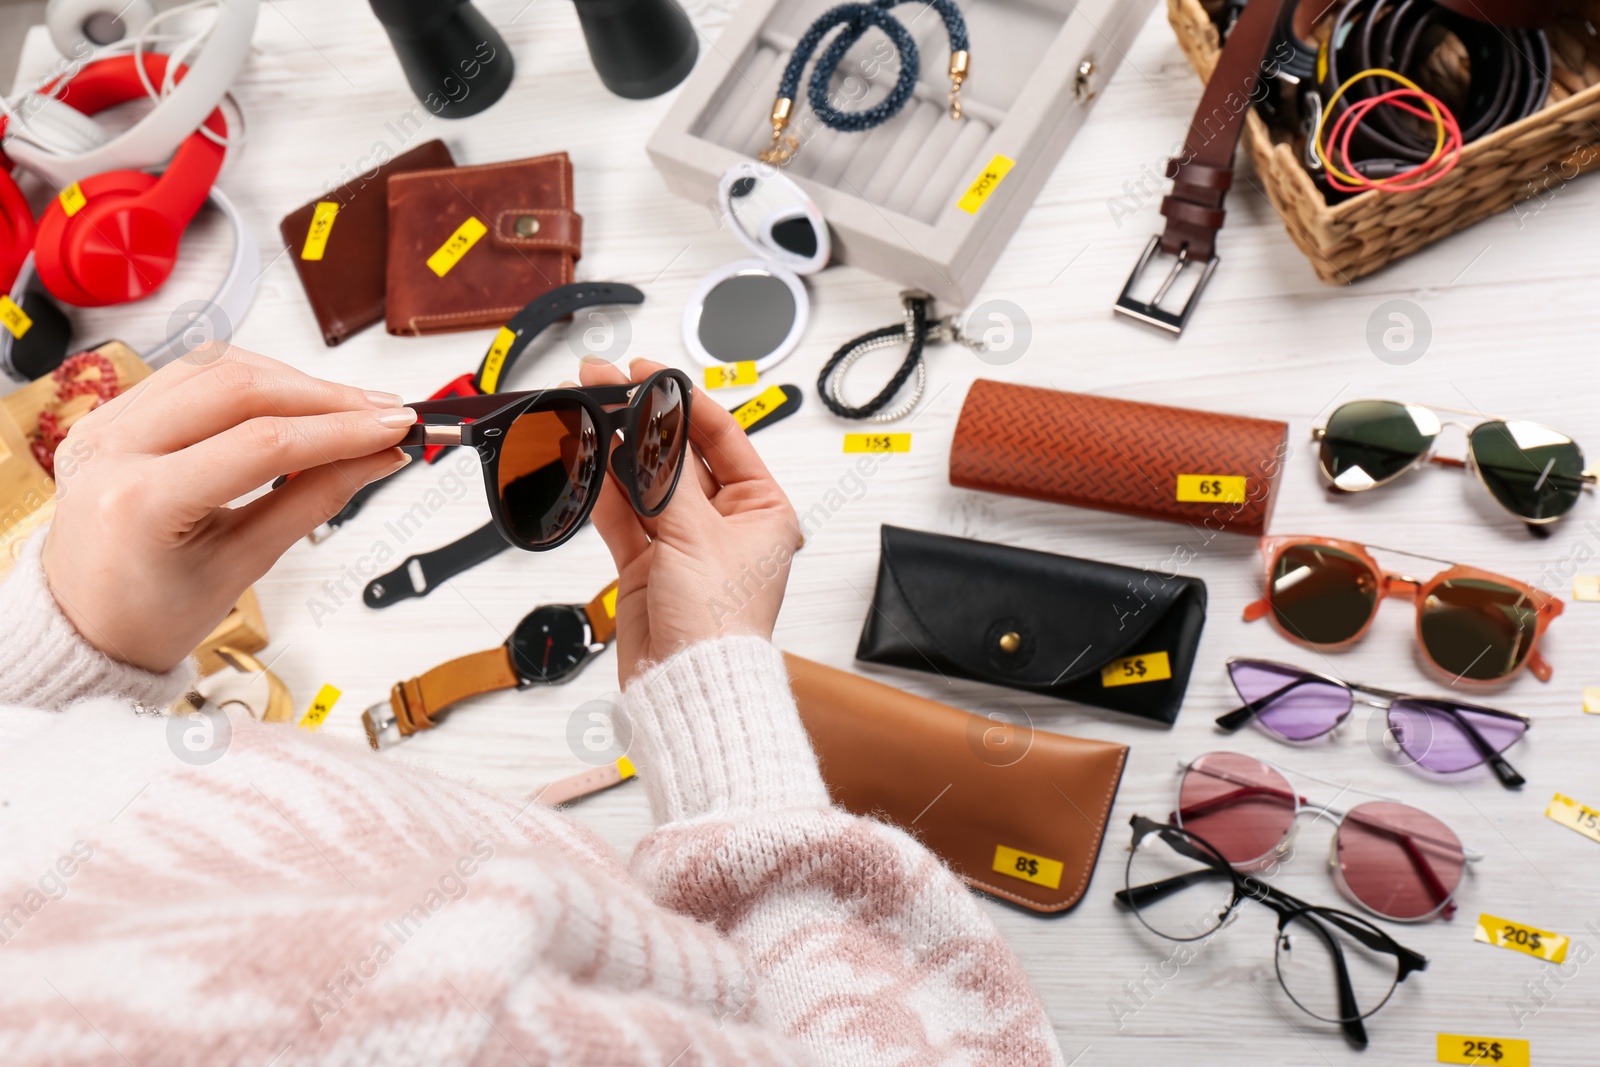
1541	944
1474	1051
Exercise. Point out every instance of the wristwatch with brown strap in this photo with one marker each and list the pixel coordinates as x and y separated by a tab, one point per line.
549	645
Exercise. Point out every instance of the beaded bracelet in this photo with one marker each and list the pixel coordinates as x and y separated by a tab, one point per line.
856	19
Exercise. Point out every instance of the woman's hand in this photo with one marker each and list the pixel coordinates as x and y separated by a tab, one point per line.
144	555
716	560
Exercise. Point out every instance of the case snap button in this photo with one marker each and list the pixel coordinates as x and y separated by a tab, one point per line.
1010	641
526	225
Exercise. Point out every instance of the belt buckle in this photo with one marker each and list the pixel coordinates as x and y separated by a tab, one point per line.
1151	311
383	729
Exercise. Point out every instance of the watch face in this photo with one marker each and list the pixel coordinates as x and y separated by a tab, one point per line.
549	644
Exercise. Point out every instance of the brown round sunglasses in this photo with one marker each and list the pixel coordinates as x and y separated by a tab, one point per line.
545	453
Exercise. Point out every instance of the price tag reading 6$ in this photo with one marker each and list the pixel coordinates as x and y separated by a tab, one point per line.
1135	670
1473	1051
1541	944
1211	489
1030	868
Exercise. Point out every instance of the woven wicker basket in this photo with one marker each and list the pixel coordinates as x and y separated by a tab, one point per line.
1518	162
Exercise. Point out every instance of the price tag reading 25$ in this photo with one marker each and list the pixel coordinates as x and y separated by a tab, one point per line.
1474	1051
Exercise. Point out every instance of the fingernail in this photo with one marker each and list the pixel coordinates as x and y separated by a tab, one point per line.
396	416
405	457
568	383
590	359
379	399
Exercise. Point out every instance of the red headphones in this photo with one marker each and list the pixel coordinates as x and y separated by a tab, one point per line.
121	244
16	230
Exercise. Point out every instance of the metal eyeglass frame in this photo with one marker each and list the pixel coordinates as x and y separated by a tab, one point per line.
1383	699
1287	907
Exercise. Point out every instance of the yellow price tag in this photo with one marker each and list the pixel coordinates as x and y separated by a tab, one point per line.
625	768
985	184
609	601
13	318
1210	489
877	442
1591	699
1574	816
1586	587
72	199
759	407
1485	1051
1028	867
1541	944
460	243
1136	670
489	380
726	374
327	696
321	226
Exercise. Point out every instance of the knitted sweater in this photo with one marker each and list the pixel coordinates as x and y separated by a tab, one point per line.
304	901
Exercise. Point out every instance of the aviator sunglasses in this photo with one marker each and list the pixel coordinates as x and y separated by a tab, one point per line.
1474	626
1531	471
1438	734
545	453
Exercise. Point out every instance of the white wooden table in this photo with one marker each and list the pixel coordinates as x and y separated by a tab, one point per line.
1513	311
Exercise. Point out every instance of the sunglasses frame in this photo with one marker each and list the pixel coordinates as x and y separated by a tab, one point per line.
1391	584
481	423
1589	476
1287	907
1373	697
1446	907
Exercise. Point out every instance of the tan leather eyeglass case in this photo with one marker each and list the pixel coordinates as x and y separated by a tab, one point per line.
1016	812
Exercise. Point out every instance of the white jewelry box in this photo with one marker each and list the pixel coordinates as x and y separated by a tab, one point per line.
896	197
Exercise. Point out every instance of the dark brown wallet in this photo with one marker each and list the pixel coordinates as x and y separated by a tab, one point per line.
344	281
470	246
1016	812
1178	464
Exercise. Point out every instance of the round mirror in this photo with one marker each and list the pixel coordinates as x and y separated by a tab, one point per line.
747	310
774	217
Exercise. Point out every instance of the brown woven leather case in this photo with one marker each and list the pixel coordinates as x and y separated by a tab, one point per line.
1120	455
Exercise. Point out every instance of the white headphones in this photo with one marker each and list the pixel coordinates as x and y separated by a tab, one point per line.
195	322
61	145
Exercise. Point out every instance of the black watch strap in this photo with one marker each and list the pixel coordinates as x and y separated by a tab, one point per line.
436	567
539	315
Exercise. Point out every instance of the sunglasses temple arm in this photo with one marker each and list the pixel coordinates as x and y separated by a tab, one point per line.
1239	716
1502	769
1138	896
1349	1010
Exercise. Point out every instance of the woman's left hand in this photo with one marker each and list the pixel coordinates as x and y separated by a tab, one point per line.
144	555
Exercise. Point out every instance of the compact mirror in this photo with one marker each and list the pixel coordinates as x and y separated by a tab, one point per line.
756	309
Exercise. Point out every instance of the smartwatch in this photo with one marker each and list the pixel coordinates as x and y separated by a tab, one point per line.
550	645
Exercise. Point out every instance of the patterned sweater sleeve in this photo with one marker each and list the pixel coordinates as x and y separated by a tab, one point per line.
865	947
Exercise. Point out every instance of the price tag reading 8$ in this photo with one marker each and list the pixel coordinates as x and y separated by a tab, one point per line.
1474	1051
1039	870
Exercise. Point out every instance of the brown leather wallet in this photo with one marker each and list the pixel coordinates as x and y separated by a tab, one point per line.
1016	812
470	246
339	244
1178	464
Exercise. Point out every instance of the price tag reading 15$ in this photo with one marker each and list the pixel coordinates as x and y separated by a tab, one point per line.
877	442
1472	1050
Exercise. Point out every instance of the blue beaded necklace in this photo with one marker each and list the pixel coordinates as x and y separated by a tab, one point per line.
855	19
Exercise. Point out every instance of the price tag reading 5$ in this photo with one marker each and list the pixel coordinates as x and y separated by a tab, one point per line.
1542	944
877	442
726	374
1134	670
1211	489
1473	1051
1028	867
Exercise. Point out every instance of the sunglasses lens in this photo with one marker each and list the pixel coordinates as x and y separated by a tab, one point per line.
1311	947
1370	441
547	471
1400	862
1177	886
1531	470
1243	807
1299	705
1439	734
1321	595
659	450
1477	629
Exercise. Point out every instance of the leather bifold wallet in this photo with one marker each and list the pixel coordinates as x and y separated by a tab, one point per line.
1114	637
340	244
1212	470
1016	812
470	246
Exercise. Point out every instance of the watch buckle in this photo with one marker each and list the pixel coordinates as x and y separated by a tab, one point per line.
1150	311
383	729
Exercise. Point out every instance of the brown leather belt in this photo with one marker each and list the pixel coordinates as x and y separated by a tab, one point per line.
1203	173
